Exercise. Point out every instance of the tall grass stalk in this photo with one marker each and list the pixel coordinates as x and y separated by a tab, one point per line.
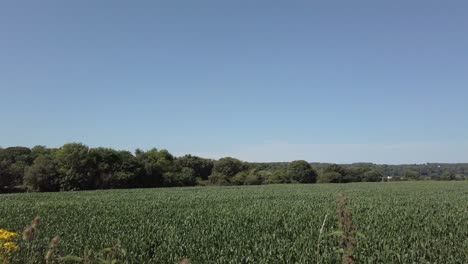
319	240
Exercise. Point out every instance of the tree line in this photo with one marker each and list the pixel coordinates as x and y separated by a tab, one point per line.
75	166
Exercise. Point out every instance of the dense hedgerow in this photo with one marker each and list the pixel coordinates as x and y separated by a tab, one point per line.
77	167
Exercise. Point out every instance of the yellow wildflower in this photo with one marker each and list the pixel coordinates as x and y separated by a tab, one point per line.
7	246
5	235
10	247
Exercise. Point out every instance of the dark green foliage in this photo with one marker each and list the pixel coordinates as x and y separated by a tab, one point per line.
183	177
76	167
335	173
228	167
448	176
16	154
330	177
337	168
372	176
105	164
7	180
251	177
218	179
411	175
128	171
43	175
278	176
114	169
301	171
155	163
201	167
239	178
40	150
231	171
13	164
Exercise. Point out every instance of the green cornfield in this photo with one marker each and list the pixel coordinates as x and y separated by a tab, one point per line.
398	222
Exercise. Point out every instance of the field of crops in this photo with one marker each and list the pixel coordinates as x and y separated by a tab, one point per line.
401	222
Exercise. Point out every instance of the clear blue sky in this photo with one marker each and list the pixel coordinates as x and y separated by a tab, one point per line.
336	81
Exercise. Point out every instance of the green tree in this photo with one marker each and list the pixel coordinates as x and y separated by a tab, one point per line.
330	177
201	167
219	179
156	163
182	177
128	172
301	171
435	176
106	163
75	167
448	176
336	168
14	162
7	180
239	178
42	176
356	172
40	150
250	177
411	175
332	171
114	169
254	177
16	154
372	176
279	176
228	167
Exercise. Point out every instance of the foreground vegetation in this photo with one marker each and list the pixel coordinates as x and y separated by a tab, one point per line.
398	222
78	167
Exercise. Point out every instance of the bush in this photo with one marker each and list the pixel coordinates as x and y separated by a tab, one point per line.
239	178
218	179
252	179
